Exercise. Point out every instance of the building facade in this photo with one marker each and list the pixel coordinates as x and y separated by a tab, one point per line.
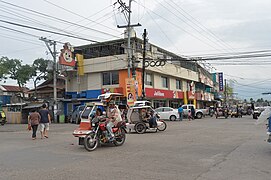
167	83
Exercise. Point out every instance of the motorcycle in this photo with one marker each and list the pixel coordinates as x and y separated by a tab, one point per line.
100	135
3	118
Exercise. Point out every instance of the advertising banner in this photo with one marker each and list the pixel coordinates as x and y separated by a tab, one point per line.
130	91
220	81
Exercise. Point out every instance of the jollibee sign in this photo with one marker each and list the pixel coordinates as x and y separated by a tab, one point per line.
161	93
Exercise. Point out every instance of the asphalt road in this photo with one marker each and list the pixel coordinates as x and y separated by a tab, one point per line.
205	149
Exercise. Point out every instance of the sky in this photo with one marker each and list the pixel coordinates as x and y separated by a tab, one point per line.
190	28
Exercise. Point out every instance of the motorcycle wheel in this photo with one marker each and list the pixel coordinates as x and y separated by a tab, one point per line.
90	144
120	137
140	127
163	126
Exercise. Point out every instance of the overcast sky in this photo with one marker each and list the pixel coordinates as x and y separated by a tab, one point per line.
193	28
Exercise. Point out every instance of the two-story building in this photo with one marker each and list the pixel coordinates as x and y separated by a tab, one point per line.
105	70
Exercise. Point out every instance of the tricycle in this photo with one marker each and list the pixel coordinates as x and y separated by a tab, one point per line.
141	118
93	130
221	111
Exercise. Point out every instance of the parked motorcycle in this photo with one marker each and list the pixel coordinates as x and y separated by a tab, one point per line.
100	135
2	118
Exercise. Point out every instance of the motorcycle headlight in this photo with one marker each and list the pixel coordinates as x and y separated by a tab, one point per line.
93	124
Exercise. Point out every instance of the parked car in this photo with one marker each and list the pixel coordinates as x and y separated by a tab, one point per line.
76	113
142	103
257	112
199	113
167	113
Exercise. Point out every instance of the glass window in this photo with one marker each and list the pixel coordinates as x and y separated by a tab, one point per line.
158	110
115	77
164	82
148	80
86	112
110	78
167	109
106	78
178	84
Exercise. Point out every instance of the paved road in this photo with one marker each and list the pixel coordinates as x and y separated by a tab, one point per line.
206	149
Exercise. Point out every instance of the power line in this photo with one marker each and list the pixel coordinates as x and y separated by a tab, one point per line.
59	19
174	24
206	37
39	29
72	12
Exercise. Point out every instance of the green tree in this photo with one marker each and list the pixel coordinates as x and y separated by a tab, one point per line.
40	72
251	100
3	69
17	71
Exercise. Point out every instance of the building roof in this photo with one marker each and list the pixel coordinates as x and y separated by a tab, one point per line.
11	88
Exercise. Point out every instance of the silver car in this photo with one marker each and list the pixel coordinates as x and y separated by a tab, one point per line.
76	113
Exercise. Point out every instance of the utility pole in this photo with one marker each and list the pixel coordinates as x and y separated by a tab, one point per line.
143	62
127	13
49	43
225	92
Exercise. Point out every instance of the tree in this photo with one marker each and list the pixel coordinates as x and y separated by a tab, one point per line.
40	71
251	100
3	69
17	71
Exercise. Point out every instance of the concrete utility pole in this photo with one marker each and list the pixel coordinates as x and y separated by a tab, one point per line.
225	92
127	13
49	43
143	62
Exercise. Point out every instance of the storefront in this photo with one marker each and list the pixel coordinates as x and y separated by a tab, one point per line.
164	98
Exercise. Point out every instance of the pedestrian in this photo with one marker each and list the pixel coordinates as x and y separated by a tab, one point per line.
44	121
180	111
192	112
189	115
33	121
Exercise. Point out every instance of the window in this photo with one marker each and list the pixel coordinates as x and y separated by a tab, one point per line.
178	84
148	80
159	110
164	82
110	78
167	109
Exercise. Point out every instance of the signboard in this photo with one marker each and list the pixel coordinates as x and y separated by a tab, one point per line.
220	81
191	94
160	93
130	91
112	90
66	55
80	64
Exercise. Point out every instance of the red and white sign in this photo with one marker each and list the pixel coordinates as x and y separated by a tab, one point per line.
190	94
66	55
160	93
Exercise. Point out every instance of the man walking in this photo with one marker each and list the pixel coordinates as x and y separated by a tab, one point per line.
44	121
180	111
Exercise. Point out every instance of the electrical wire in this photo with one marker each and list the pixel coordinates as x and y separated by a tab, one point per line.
86	18
55	18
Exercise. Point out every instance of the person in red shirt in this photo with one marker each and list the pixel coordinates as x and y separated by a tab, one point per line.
33	121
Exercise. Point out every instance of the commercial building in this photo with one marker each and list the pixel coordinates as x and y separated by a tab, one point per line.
167	83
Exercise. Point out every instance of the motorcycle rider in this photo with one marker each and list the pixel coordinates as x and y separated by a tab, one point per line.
112	116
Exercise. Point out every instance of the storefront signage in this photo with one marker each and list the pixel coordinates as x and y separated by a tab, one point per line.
165	94
220	81
191	94
159	93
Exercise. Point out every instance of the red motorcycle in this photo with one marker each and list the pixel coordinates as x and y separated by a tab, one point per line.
100	135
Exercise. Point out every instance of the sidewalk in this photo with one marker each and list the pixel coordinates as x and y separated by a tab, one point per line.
23	127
